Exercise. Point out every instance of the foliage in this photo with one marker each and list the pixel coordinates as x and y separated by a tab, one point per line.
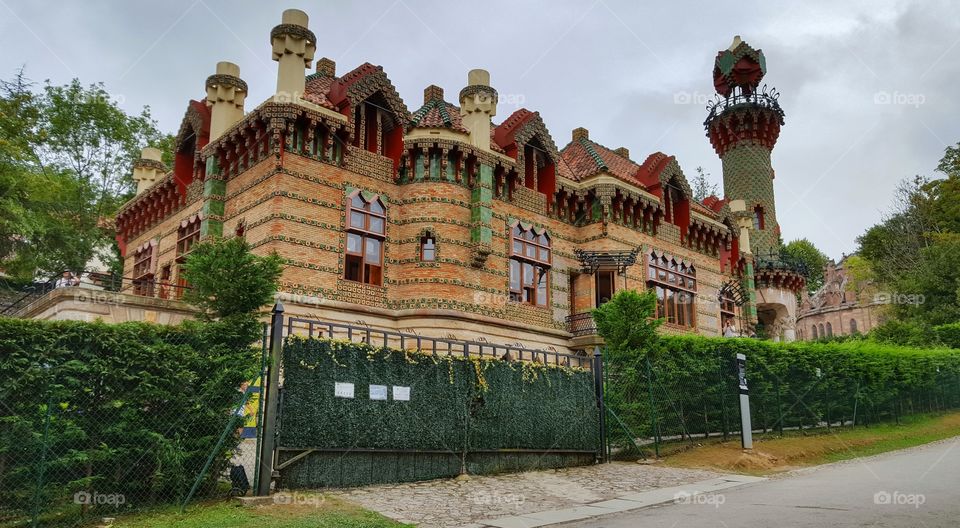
226	279
626	322
457	405
131	409
65	166
702	187
691	389
802	250
914	251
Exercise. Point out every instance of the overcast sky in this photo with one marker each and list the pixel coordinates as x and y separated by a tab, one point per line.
869	88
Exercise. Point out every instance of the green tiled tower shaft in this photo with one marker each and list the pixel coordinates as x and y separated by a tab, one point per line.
748	176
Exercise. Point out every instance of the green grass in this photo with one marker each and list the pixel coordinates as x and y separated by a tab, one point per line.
772	453
332	513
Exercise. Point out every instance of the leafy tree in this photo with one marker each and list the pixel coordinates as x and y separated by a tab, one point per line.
65	166
227	280
702	187
915	251
803	251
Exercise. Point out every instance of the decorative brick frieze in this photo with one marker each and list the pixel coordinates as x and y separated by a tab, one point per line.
364	294
369	164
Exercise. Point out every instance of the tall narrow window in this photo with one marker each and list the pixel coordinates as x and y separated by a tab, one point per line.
728	310
758	218
675	284
853	326
188	234
606	285
366	229
428	247
530	257
143	261
813	329
829	330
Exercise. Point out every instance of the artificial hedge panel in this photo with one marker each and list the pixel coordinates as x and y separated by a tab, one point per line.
461	412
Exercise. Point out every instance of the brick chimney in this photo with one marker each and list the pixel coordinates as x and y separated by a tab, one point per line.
432	93
580	133
226	93
327	67
623	151
149	169
293	48
478	103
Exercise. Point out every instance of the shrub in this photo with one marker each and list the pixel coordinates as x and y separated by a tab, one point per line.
227	280
131	409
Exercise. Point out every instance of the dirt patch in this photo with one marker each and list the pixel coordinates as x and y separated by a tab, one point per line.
772	454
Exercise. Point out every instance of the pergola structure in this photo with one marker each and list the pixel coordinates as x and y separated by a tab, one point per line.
591	261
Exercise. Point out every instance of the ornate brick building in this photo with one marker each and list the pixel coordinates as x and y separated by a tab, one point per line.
441	221
840	307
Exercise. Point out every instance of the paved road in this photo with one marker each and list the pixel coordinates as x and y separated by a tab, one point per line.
918	487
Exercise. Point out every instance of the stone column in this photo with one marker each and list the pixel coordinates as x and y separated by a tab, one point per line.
478	103
226	93
745	221
293	48
149	169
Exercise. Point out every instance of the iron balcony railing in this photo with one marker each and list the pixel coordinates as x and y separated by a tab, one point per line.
446	346
93	281
581	324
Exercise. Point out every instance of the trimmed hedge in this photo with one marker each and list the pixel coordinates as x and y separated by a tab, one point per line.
459	409
799	384
131	409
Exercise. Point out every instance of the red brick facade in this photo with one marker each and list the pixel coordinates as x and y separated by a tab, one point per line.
285	176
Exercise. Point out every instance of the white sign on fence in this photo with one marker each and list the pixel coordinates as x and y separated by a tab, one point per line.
401	393
378	392
343	390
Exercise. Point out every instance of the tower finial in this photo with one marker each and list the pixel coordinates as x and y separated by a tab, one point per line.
736	42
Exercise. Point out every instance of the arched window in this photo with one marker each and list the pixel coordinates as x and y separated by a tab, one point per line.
675	284
758	218
814	331
530	258
366	228
428	247
823	333
853	326
829	330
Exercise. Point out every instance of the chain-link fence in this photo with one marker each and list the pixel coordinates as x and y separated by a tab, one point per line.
99	420
688	392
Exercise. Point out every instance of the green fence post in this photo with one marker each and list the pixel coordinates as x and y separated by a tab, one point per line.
776	385
601	406
653	411
37	492
263	376
270	404
723	399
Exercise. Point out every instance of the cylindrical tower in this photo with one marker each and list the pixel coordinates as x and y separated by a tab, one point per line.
743	126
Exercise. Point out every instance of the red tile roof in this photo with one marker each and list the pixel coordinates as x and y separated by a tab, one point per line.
437	113
586	158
